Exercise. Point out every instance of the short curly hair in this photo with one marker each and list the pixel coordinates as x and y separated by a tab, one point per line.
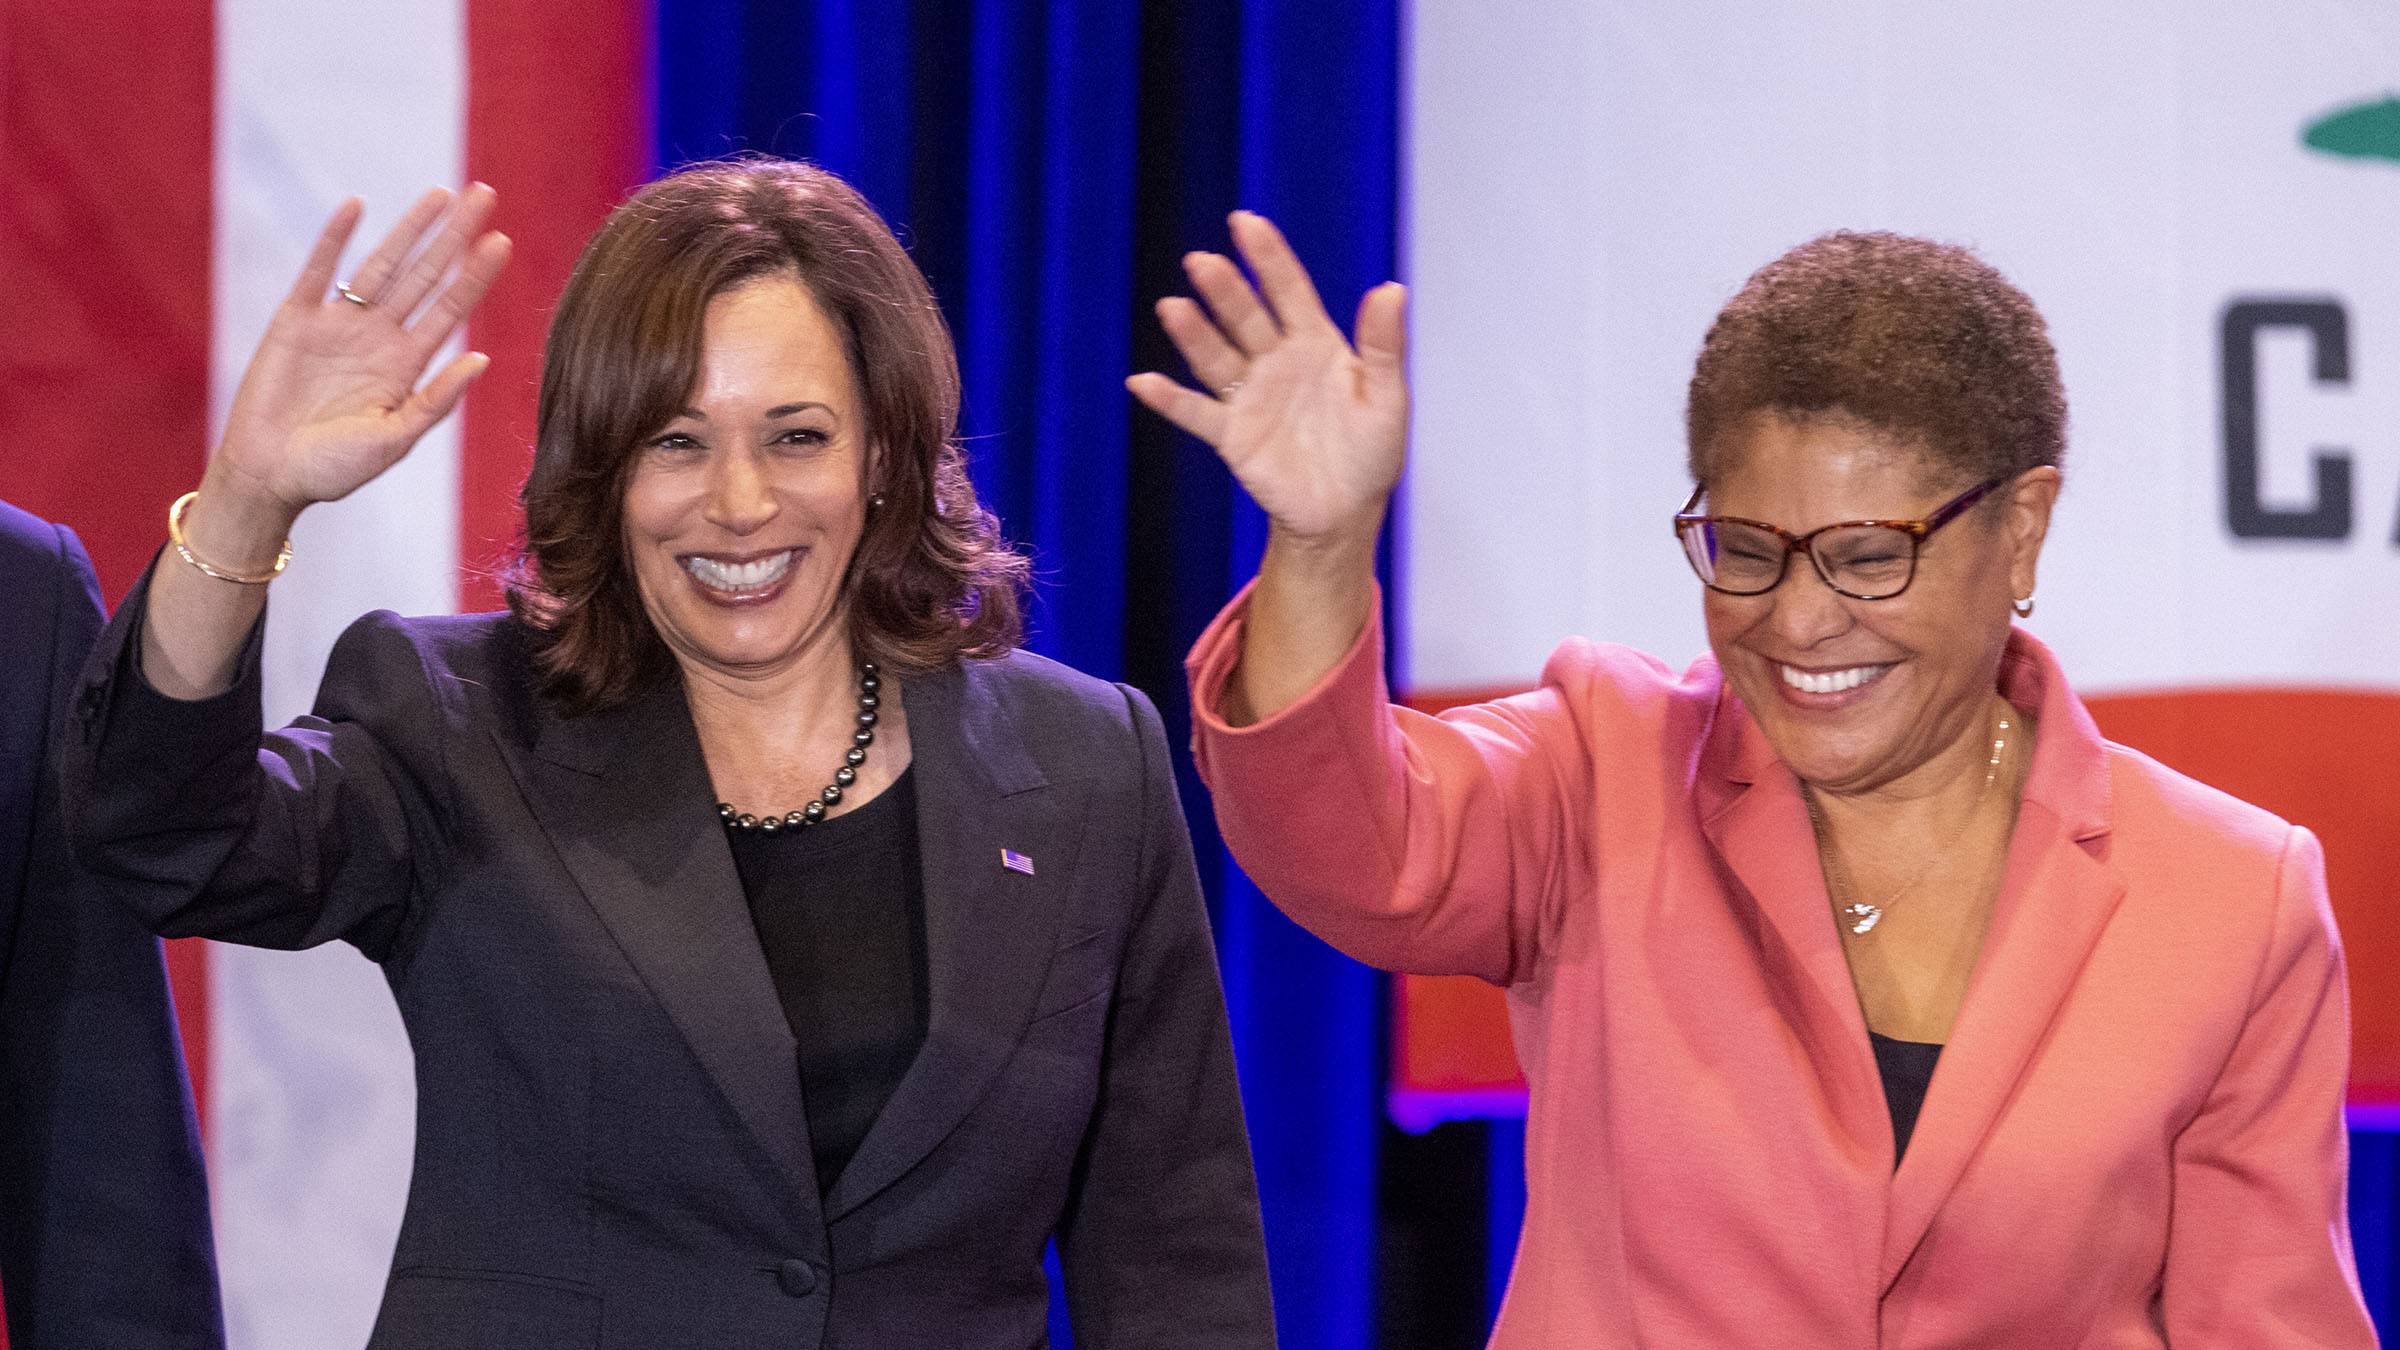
932	581
1917	339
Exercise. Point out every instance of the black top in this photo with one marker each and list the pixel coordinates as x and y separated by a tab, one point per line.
840	910
1907	1069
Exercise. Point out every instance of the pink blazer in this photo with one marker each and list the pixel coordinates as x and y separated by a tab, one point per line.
2134	1137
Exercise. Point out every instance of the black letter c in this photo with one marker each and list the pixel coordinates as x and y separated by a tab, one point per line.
2245	514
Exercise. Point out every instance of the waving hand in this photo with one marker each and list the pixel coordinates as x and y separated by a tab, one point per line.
331	398
1314	428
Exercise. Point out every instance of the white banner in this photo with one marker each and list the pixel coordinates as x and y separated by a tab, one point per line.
1589	183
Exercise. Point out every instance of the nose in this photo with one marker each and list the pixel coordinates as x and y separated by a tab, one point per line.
740	498
1808	610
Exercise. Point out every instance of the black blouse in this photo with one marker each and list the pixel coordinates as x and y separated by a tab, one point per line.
1907	1069
840	911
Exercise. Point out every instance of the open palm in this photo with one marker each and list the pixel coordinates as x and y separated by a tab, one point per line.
331	398
1315	429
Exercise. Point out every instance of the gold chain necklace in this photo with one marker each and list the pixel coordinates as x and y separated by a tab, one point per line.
1859	916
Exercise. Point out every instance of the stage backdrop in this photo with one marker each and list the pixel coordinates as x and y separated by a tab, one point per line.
1048	165
2199	197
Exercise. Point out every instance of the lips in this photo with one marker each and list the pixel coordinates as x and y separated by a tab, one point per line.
1830	681
738	578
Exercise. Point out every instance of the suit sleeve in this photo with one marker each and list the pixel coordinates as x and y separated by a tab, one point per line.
1161	1244
1435	845
104	1236
2259	1239
212	827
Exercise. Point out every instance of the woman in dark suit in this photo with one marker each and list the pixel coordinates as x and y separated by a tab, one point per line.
788	960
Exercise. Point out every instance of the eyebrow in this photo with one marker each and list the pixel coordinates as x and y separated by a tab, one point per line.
779	410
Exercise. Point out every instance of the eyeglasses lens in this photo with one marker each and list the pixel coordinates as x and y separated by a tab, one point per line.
1734	557
1866	561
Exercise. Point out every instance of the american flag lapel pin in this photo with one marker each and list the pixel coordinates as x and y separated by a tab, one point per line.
1016	862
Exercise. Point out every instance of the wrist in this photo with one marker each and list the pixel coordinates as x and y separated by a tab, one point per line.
1342	553
235	526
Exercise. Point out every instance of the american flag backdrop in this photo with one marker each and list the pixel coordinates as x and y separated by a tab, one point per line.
2147	171
167	163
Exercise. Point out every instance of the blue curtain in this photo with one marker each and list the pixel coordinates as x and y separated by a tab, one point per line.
1048	164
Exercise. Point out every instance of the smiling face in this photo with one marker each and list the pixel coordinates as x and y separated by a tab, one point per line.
1856	695
742	513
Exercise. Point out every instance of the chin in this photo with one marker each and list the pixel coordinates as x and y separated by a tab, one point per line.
1821	754
774	637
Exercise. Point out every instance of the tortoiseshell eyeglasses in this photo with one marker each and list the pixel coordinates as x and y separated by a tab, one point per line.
1862	559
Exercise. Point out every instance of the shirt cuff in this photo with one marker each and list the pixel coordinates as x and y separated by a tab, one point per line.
1354	680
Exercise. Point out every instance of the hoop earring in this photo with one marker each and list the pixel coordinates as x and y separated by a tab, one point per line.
2023	608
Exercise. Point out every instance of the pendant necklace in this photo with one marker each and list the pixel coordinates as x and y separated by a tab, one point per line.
1860	916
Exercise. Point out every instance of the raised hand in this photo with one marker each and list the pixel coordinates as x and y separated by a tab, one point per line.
1314	428
332	397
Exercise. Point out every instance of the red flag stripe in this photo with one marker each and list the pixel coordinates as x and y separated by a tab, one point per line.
104	327
561	128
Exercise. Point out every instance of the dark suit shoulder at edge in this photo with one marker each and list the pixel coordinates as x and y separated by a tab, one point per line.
30	543
471	659
1047	693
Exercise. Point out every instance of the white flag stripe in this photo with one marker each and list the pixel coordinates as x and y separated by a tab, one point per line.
311	1098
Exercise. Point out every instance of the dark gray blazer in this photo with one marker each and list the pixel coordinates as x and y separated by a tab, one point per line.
611	1150
103	1209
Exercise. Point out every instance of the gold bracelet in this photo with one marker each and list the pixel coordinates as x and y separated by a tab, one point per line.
283	557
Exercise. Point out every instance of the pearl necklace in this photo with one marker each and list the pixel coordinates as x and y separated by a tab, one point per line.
1859	916
814	812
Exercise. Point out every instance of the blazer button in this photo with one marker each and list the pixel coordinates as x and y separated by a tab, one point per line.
798	1278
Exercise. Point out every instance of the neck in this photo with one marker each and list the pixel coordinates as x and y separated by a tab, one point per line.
774	739
771	703
768	732
1945	789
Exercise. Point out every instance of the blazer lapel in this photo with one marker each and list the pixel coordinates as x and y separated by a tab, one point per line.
625	798
989	928
2056	896
1754	818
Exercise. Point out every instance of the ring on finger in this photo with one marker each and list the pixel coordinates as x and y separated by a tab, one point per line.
342	288
1229	390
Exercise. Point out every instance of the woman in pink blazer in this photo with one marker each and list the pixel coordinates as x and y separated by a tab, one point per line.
1868	997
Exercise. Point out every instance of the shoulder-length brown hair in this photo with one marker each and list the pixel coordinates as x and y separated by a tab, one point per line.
931	582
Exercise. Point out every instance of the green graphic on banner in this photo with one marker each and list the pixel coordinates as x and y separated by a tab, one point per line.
2365	131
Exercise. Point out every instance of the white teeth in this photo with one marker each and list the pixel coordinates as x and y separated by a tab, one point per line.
748	576
1832	681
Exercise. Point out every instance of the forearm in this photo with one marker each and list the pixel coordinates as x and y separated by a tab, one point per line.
1313	598
194	625
206	825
